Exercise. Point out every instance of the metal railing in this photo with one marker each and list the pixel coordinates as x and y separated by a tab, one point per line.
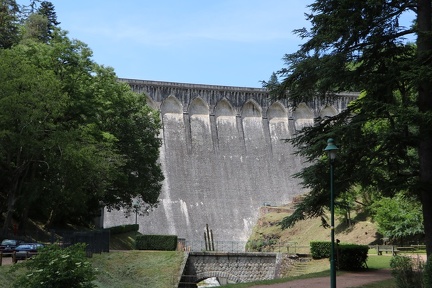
246	246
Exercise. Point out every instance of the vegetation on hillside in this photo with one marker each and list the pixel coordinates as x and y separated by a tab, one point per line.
268	235
385	136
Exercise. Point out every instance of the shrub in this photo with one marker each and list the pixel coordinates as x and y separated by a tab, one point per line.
405	272
320	249
351	256
124	228
54	267
428	273
156	242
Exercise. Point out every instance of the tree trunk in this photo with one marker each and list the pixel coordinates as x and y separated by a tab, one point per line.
9	213
424	49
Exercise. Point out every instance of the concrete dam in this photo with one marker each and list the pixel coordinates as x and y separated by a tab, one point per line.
223	156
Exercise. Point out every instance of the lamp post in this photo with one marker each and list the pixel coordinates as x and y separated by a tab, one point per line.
331	150
136	207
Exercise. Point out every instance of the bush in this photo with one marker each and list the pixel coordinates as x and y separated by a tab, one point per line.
405	272
320	249
124	228
351	256
428	273
54	267
156	242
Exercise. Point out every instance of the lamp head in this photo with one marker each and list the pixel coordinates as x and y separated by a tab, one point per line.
331	149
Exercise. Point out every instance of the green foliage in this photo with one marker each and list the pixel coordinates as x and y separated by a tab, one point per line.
124	228
385	135
320	249
55	267
156	242
73	138
47	10
427	277
9	19
398	217
405	272
351	256
262	245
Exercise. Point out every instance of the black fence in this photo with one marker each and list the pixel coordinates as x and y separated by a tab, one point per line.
97	240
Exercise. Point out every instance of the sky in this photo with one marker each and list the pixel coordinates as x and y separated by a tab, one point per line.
217	42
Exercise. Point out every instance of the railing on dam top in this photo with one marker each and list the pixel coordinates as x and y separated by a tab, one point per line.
243	246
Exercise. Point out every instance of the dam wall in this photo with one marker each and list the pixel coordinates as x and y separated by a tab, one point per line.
223	156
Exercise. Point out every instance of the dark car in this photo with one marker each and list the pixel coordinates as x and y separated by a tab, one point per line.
27	250
7	246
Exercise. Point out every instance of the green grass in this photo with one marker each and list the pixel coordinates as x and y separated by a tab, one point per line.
378	262
373	262
7	277
129	269
126	269
123	241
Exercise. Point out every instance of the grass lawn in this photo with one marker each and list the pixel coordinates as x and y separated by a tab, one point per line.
126	269
374	262
152	269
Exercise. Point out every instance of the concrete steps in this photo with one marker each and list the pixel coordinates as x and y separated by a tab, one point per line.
299	268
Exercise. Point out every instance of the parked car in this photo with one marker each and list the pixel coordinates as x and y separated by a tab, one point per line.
27	250
7	246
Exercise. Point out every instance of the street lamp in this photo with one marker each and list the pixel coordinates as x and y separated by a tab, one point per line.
136	207
331	150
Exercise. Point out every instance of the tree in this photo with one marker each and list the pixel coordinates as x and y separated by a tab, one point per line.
35	28
398	217
73	138
9	19
47	10
361	46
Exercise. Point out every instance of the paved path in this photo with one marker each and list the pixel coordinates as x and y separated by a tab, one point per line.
351	279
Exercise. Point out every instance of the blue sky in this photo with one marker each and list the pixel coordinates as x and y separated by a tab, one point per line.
218	42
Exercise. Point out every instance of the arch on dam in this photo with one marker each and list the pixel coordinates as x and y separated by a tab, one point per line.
277	111
171	105
251	109
224	108
253	130
328	111
200	128
303	116
152	103
279	130
198	107
229	140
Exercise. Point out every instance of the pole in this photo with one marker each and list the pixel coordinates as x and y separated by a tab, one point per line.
136	215
332	255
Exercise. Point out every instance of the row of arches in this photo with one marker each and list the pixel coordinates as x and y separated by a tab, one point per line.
302	115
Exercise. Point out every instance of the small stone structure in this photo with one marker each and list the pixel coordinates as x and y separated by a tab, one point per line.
229	267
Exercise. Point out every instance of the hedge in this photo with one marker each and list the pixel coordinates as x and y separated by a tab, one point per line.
124	228
320	249
351	256
156	242
347	256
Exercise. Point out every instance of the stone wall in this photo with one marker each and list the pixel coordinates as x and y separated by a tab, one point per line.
223	157
230	267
